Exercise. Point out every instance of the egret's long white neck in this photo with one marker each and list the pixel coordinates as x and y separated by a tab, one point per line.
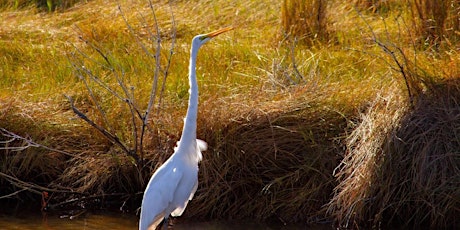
189	130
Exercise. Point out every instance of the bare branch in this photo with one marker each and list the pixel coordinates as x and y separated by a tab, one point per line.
139	118
80	67
157	66
79	199
91	94
30	143
171	52
37	189
111	137
392	50
294	63
131	30
13	194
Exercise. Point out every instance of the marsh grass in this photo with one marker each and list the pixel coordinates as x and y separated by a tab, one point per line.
356	172
264	156
435	24
278	116
397	148
305	20
402	164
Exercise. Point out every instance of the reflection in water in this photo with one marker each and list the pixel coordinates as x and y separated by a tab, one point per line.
94	221
83	222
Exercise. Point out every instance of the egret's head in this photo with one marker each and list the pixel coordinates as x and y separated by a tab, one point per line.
199	40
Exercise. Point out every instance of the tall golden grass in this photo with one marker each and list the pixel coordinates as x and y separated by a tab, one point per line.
273	161
305	20
402	164
435	23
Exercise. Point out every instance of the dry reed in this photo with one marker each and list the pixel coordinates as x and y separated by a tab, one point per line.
43	122
274	162
435	22
402	166
305	20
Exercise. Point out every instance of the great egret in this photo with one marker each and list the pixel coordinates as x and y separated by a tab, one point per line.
175	182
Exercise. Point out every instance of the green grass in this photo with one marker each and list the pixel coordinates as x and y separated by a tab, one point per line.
294	105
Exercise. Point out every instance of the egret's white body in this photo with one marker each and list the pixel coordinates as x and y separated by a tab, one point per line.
175	182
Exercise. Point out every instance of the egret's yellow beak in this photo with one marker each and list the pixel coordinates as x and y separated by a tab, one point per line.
217	32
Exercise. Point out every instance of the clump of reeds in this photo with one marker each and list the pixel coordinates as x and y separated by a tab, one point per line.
22	158
435	22
305	20
402	165
273	162
356	173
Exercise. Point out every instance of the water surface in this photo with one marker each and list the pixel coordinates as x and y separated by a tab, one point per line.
117	221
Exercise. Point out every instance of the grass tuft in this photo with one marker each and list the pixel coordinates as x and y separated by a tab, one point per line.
435	23
402	166
305	20
270	160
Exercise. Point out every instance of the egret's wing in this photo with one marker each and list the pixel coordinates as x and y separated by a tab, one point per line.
193	190
159	194
202	145
179	210
156	221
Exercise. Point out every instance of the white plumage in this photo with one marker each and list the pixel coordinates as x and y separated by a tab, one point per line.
173	185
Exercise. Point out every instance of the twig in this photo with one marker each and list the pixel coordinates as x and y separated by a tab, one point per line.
37	189
29	142
389	51
171	52
13	193
73	200
294	64
112	138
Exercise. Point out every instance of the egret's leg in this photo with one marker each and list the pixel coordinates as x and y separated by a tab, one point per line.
165	224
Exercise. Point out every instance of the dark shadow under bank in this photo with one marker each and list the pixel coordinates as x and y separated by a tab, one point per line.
95	220
21	216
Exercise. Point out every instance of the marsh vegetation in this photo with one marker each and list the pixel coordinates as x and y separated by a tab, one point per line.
347	115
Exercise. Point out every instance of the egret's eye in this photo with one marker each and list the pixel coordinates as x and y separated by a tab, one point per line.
202	38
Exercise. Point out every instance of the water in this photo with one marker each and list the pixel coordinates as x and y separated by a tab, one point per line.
116	221
85	221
